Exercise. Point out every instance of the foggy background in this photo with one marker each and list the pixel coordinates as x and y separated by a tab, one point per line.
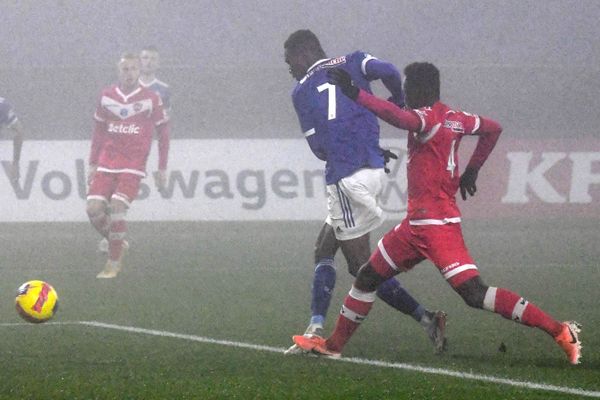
533	66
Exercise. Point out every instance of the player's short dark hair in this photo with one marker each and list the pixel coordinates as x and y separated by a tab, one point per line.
303	39
422	84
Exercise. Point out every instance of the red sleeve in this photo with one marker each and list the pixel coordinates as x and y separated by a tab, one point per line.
97	142
163	145
489	131
389	112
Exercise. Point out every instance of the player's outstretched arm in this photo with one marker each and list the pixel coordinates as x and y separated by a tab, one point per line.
385	110
343	80
389	76
489	132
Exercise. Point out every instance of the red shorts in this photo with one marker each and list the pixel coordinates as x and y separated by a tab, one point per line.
406	245
120	186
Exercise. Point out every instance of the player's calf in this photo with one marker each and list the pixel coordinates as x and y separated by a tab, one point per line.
96	211
473	292
116	236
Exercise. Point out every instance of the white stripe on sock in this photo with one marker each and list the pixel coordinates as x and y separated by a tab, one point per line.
367	297
517	313
489	302
458	270
351	315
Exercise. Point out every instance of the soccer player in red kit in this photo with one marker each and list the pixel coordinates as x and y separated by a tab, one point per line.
126	118
431	229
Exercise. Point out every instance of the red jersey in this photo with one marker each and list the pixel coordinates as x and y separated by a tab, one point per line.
432	166
125	126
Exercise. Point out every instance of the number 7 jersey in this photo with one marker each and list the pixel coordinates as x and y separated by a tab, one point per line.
339	131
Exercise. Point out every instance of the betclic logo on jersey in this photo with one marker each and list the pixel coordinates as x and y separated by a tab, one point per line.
126	129
394	194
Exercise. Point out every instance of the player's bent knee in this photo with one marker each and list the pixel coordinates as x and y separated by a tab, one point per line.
353	268
368	278
95	208
323	253
325	249
473	292
119	205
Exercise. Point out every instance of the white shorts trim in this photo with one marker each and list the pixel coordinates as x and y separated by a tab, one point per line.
122	171
386	256
453	220
121	197
458	270
97	197
353	203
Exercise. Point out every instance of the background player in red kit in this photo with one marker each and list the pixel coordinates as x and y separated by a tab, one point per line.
432	228
126	117
149	65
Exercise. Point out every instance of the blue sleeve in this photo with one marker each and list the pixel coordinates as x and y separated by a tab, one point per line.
309	127
389	76
314	142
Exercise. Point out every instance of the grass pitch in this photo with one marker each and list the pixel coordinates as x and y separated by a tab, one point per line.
196	301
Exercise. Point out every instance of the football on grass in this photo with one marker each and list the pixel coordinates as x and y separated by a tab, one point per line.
36	301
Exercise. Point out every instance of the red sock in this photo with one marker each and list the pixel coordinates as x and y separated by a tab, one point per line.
513	306
116	236
357	305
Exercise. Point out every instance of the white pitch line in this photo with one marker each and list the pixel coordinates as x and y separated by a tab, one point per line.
353	360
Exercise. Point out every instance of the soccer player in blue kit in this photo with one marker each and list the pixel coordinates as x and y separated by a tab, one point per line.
346	136
150	63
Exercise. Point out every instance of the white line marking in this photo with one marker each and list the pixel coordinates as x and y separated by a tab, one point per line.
353	360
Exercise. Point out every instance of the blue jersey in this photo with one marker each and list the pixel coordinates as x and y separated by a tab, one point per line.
163	90
339	131
7	115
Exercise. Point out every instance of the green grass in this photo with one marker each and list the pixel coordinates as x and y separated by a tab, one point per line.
249	282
